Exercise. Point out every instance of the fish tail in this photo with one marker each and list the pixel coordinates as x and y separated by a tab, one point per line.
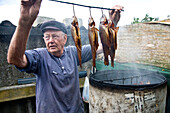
94	56
94	62
80	66
112	62
80	62
106	61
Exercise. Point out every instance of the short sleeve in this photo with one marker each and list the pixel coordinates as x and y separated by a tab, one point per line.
33	58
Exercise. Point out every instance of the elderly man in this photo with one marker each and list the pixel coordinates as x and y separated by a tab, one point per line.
57	85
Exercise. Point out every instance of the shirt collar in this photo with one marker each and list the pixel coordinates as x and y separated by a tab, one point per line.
61	55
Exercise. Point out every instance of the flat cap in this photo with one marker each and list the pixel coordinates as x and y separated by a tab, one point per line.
53	25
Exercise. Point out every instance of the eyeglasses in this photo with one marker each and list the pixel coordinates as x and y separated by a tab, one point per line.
54	36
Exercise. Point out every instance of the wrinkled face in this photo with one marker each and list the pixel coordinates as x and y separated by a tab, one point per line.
55	41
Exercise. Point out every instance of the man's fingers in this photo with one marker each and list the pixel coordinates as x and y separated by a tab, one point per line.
116	9
119	7
24	2
27	2
115	14
38	2
30	2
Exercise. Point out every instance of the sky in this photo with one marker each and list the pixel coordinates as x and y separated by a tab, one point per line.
10	10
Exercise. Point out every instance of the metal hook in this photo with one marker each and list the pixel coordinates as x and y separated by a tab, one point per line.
73	10
102	11
90	10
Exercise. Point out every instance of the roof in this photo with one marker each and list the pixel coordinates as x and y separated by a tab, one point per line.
164	22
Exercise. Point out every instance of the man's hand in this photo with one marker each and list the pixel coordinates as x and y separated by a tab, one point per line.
115	14
28	11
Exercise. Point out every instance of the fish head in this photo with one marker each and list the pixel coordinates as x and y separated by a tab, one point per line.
103	20
91	21
111	24
74	21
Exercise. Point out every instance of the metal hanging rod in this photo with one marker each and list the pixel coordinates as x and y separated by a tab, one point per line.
82	5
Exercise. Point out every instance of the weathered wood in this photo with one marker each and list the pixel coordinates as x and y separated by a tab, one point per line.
17	92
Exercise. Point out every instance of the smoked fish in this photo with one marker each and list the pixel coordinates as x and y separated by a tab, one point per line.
75	32
113	40
104	36
108	35
116	30
93	38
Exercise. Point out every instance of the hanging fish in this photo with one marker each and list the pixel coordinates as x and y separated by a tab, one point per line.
93	38
75	32
104	36
113	40
116	30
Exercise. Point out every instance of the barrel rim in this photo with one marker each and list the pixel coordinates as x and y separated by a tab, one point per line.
102	84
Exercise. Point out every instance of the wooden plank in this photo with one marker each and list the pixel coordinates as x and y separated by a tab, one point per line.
17	92
23	91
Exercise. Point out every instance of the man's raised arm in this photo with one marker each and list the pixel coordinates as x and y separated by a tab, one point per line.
29	10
